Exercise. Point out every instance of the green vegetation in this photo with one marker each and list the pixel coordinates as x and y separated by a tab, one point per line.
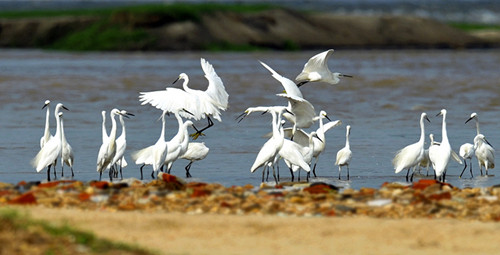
20	231
474	27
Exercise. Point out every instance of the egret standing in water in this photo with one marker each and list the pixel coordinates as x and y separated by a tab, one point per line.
466	152
107	150
344	155
484	152
121	146
440	155
195	152
316	69
412	154
199	103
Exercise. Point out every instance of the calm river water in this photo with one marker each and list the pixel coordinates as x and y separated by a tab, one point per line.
382	103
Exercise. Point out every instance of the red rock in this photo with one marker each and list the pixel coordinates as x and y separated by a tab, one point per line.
84	196
440	196
21	183
99	184
5	192
319	189
200	192
168	178
424	183
196	185
26	198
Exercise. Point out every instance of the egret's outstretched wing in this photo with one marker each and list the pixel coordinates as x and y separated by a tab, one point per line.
303	111
215	89
300	136
331	124
173	100
288	85
317	64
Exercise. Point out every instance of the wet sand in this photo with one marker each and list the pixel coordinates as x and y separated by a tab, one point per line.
176	233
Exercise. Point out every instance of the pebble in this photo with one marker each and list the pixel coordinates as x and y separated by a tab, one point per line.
422	199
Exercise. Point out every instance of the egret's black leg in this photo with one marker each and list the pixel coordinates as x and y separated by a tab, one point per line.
407	174
200	131
470	166
48	173
314	170
188	167
465	167
291	172
348	173
141	171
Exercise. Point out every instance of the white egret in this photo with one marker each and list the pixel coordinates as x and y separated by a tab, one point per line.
344	155
67	156
288	85
155	154
195	152
316	69
199	103
51	151
121	146
46	134
177	146
412	154
107	150
105	135
269	153
485	153
440	155
302	160
466	152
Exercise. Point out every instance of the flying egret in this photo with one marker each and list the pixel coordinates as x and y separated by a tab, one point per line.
440	155
483	149
316	69
288	85
46	134
155	154
51	151
121	146
485	153
269	153
344	155
107	150
412	154
67	156
466	152
199	103
195	152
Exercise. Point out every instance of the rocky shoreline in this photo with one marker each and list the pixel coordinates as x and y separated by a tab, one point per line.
280	29
423	199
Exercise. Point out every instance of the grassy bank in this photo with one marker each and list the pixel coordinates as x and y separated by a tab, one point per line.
129	28
22	235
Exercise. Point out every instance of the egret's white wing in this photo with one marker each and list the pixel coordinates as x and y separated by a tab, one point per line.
303	111
216	89
173	100
318	63
300	136
455	156
289	86
330	125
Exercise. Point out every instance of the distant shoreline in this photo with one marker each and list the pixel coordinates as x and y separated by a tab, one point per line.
217	27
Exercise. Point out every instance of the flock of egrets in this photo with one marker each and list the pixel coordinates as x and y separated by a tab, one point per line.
297	147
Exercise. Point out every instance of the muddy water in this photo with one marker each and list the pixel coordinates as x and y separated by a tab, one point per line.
382	103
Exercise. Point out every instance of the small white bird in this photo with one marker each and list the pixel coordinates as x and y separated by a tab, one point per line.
316	69
294	161
412	154
485	153
67	156
107	150
269	153
199	104
344	155
155	154
195	152
105	135
46	134
121	146
177	146
51	151
440	155
466	152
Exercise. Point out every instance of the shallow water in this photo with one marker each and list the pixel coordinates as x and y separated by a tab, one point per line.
382	103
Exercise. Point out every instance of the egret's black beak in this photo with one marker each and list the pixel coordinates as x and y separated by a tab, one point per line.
346	75
175	80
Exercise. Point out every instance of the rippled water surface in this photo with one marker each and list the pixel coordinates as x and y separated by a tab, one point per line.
382	103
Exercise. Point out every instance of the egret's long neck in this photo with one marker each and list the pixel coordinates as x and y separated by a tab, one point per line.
58	127
347	145
63	137
112	134
443	131
477	127
422	130
47	123
185	84
182	128
122	122
162	134
321	133
104	132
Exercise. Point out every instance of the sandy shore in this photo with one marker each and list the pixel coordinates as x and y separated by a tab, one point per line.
176	233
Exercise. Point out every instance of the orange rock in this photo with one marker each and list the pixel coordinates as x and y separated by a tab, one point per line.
84	196
196	185
424	183
440	196
48	184
168	177
26	198
200	192
319	189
